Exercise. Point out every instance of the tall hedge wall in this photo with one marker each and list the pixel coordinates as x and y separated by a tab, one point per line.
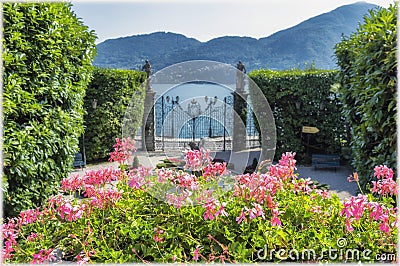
368	76
302	98
113	90
47	55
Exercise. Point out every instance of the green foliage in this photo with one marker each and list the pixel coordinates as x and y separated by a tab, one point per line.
47	55
139	228
167	163
302	98
368	76
113	90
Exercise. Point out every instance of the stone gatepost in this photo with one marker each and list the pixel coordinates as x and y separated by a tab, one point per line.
148	122
240	113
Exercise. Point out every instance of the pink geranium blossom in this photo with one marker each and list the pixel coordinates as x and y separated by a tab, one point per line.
385	186
196	253
44	256
197	159
123	149
137	177
213	170
29	216
158	235
275	217
92	178
383	171
355	206
241	218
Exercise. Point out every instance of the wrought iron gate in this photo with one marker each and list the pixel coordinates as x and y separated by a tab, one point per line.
207	122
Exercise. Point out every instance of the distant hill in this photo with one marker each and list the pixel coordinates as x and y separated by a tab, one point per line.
310	42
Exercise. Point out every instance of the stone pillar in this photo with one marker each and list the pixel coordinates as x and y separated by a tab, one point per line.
240	115
148	122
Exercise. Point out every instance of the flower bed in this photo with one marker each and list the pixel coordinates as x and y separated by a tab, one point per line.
134	216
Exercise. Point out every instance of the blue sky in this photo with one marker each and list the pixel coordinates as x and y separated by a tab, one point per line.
201	19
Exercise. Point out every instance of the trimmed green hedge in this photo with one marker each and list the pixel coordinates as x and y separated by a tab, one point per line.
113	90
47	60
368	76
302	98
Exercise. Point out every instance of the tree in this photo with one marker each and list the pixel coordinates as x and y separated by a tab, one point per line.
368	76
47	59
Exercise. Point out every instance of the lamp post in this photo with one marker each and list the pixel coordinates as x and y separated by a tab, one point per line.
212	102
173	102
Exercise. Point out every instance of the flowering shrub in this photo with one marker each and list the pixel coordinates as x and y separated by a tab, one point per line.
123	149
258	215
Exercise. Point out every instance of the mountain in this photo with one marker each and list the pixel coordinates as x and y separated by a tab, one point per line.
131	52
311	41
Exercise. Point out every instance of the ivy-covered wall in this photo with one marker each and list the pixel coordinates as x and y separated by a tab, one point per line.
47	57
368	91
112	90
302	98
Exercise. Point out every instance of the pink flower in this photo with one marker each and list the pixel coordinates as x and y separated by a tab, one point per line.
122	150
302	185
177	200
137	177
8	250
210	206
353	178
355	206
385	187
275	217
196	253
186	181
93	178
383	171
29	216
10	235
256	211
385	227
221	211
316	209
285	168
104	198
44	256
158	233
213	170
32	237
165	175
323	193
241	218
214	209
196	159
72	183
349	228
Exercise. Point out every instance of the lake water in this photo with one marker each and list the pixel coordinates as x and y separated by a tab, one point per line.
211	106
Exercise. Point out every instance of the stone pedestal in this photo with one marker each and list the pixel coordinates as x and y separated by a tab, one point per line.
148	123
